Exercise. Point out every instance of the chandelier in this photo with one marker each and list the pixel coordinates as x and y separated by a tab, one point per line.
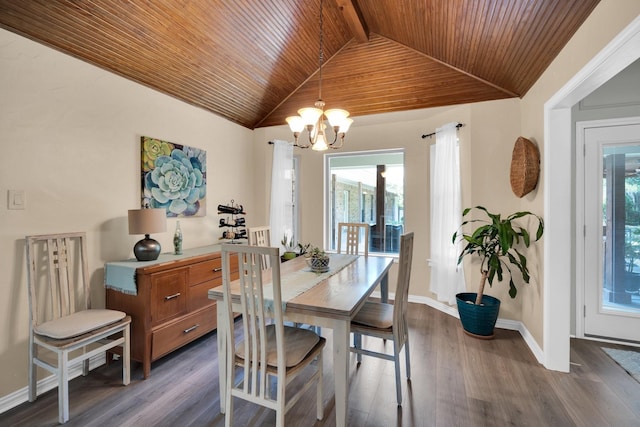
313	118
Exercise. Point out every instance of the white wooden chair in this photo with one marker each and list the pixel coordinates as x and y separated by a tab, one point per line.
353	231
261	236
388	321
269	349
61	318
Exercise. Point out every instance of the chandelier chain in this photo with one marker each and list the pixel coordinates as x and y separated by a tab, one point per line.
321	55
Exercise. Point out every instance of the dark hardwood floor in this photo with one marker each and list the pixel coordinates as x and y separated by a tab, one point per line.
456	381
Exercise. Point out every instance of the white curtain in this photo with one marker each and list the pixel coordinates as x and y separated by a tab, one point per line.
280	212
446	214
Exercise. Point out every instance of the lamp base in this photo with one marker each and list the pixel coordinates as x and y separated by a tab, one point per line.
147	249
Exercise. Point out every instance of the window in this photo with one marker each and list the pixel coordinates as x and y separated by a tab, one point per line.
366	187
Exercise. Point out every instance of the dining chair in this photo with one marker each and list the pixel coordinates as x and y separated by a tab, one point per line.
61	318
261	236
352	231
269	349
388	321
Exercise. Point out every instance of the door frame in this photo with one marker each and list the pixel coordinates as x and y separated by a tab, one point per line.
559	251
580	248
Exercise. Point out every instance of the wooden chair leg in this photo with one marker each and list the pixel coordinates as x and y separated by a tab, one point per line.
33	380
126	356
396	362
319	407
63	388
228	404
357	343
407	358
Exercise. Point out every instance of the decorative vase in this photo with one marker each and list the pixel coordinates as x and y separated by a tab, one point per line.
289	255
177	239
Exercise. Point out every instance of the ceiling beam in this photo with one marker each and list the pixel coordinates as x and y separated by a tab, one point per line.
355	20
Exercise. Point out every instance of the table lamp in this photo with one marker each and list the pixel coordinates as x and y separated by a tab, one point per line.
147	221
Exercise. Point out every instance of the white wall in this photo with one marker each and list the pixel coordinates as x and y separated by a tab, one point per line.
486	141
565	82
70	139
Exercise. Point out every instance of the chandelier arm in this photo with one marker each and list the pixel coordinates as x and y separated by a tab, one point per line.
335	136
341	139
303	146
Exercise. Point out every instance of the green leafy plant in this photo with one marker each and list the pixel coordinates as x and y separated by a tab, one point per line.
494	242
303	249
288	243
316	252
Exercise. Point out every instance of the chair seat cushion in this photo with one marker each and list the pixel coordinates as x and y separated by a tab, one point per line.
298	343
375	314
78	323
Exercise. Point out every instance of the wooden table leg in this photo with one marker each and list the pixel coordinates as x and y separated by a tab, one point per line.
341	330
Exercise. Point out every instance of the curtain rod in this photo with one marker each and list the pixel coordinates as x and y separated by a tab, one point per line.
458	126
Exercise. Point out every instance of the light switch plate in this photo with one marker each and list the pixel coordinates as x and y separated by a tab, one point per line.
16	199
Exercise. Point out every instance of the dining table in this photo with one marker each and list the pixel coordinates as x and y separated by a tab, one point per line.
329	300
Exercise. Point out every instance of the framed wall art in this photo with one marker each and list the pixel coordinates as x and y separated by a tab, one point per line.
174	177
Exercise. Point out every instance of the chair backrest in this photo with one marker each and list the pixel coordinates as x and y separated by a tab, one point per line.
57	275
352	232
261	236
402	288
256	315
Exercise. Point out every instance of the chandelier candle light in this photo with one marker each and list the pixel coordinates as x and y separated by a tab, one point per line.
312	118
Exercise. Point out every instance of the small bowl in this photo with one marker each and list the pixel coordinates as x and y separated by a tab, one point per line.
318	265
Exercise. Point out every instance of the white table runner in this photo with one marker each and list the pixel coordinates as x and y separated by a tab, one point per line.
298	282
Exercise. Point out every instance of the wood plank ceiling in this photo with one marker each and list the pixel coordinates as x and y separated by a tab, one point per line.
255	62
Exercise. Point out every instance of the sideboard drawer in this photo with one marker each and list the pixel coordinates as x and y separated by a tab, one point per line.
199	294
204	271
168	338
168	294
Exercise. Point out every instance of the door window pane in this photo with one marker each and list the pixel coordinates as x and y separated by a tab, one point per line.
367	187
621	228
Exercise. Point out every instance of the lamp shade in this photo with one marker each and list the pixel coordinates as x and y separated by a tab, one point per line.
320	143
296	124
344	126
310	115
336	116
147	221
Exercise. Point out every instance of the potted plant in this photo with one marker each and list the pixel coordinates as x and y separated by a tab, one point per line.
318	260
289	248
495	244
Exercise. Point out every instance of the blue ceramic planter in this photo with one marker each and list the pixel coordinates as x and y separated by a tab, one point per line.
478	320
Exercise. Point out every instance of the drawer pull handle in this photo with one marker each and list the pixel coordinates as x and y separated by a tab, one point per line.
215	270
168	297
193	328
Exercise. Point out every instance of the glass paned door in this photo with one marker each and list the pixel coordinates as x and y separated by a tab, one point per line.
612	232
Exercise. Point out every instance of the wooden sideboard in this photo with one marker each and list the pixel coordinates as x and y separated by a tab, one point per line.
171	307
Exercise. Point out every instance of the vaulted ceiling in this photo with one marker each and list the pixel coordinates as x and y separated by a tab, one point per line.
256	62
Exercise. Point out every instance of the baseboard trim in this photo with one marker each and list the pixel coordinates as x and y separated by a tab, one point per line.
20	396
513	325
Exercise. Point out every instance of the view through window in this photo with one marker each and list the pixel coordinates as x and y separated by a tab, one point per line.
366	187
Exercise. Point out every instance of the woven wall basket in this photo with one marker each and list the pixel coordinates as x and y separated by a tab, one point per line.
525	167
